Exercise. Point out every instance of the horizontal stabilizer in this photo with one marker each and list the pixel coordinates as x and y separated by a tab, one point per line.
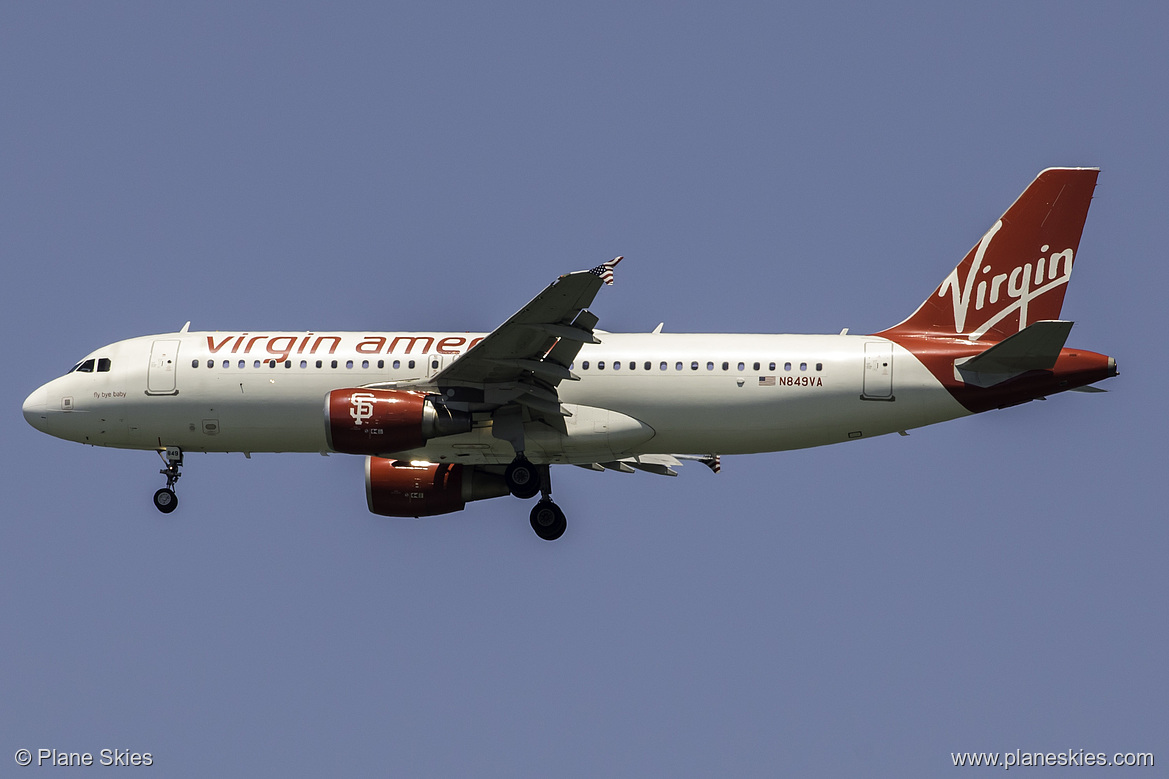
1034	348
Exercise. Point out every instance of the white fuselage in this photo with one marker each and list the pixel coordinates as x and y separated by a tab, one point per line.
637	394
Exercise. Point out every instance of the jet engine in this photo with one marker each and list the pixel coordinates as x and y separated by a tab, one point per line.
394	488
363	421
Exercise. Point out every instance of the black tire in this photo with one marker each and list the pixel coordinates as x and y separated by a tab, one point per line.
523	478
165	500
548	520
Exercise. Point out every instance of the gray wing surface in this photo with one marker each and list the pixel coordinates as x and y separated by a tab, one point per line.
524	359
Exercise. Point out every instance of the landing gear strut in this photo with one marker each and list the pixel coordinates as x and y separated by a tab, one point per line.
165	499
547	519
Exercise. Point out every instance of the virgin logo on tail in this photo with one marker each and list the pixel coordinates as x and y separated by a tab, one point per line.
1020	268
1022	284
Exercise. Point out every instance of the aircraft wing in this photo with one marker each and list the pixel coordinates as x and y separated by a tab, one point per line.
526	357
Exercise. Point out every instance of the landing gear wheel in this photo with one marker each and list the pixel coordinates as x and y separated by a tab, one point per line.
165	500
548	520
522	478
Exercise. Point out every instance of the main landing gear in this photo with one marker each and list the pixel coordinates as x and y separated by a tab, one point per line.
525	480
548	520
165	499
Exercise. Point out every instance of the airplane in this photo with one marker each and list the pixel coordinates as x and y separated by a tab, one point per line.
446	418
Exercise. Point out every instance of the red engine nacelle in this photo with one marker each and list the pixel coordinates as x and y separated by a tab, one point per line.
398	489
361	421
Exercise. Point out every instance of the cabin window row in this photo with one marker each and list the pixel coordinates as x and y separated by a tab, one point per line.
694	365
381	364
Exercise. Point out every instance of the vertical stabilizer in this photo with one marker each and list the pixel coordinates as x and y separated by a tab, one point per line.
1018	273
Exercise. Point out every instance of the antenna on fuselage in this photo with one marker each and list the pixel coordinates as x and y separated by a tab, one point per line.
186	327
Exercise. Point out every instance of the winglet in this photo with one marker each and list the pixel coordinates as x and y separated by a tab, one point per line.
605	270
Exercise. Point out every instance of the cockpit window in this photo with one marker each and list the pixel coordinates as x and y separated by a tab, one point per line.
85	367
103	365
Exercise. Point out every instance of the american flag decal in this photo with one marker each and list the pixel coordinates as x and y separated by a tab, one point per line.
766	381
605	270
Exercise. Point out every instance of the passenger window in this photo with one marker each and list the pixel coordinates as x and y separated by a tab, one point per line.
616	365
726	366
633	365
211	363
756	367
803	366
787	366
663	367
333	364
694	365
227	363
584	365
194	364
365	363
710	366
771	366
256	364
103	365
600	365
242	364
397	364
677	366
271	363
819	366
742	366
288	363
410	365
349	363
434	365
648	365
304	363
381	363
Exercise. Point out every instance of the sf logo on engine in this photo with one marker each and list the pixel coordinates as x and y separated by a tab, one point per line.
362	403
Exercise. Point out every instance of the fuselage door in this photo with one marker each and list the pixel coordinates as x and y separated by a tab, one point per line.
878	381
164	358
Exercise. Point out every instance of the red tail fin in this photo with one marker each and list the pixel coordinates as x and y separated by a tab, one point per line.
1018	272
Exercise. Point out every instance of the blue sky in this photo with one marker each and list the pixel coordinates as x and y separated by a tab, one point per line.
991	584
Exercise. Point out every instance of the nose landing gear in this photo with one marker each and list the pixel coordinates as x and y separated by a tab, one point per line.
165	499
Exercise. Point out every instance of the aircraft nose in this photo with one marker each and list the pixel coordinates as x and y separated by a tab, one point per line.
36	408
